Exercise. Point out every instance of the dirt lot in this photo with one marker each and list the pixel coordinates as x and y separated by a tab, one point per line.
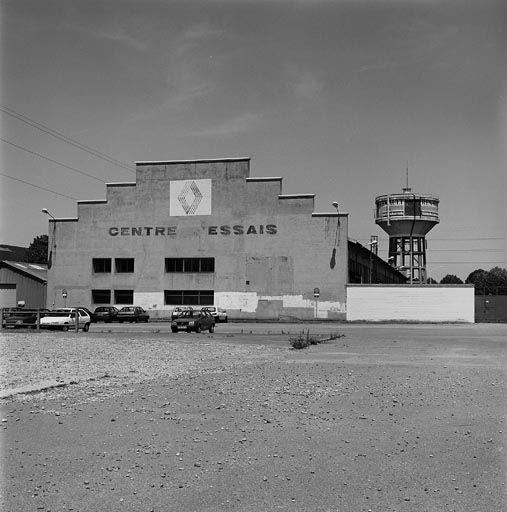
385	418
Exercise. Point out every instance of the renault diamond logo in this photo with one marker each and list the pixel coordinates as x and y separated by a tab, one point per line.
190	192
190	197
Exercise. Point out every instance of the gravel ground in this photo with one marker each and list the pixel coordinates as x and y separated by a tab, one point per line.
390	418
112	360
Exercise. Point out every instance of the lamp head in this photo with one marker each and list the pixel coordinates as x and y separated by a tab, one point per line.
45	210
335	204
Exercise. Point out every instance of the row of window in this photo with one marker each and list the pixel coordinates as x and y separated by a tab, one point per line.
171	297
126	265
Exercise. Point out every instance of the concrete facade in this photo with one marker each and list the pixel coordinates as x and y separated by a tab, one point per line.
414	303
270	250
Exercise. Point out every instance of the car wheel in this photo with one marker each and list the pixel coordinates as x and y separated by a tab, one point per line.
198	328
65	328
189	330
211	328
86	327
121	321
173	329
225	320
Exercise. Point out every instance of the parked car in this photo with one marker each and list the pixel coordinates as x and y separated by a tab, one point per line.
193	321
220	314
65	319
105	314
178	310
132	314
90	314
21	318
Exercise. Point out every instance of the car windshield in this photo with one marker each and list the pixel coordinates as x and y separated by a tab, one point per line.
187	313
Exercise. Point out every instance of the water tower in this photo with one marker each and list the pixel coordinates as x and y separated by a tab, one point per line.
406	218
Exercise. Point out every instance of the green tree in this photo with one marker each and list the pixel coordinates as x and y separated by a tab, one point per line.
451	279
38	250
497	277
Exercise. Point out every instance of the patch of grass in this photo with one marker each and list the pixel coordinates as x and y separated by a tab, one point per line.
305	339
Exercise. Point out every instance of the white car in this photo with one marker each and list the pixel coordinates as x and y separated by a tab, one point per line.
65	319
219	314
177	311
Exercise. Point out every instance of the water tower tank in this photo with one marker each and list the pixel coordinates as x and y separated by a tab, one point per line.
406	218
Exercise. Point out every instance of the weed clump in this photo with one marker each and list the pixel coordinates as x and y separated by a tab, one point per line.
305	339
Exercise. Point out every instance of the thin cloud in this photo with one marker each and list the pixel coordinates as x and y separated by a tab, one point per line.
376	67
201	31
239	124
306	86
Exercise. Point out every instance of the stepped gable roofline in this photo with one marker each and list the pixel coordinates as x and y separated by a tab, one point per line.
37	271
274	178
121	184
193	161
330	214
296	196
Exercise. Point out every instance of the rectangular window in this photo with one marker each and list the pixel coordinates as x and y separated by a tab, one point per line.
194	265
189	297
413	207
101	265
101	296
124	296
124	265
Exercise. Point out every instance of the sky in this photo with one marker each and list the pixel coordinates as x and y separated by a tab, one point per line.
337	97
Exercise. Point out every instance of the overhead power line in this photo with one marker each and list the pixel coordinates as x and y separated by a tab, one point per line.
64	138
37	186
51	160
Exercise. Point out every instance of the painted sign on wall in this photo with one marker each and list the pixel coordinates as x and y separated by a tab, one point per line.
190	197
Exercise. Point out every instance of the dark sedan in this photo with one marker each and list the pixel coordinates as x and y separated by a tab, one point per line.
193	321
132	314
105	314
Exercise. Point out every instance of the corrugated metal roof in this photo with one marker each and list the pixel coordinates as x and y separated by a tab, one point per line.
38	271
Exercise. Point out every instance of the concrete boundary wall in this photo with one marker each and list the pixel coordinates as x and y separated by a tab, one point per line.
414	303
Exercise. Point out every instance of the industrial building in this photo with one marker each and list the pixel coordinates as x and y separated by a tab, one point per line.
204	232
22	283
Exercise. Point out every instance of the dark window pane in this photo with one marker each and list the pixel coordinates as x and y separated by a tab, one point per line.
189	297
208	265
124	296
124	265
101	296
101	265
173	297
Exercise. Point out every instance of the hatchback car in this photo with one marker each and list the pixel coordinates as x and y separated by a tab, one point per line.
132	314
105	314
193	321
65	319
220	314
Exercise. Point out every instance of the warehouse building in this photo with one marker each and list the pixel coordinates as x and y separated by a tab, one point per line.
202	232
22	283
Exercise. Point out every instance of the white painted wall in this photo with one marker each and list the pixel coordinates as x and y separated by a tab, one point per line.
427	303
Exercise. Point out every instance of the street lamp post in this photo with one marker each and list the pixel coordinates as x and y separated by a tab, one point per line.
52	246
